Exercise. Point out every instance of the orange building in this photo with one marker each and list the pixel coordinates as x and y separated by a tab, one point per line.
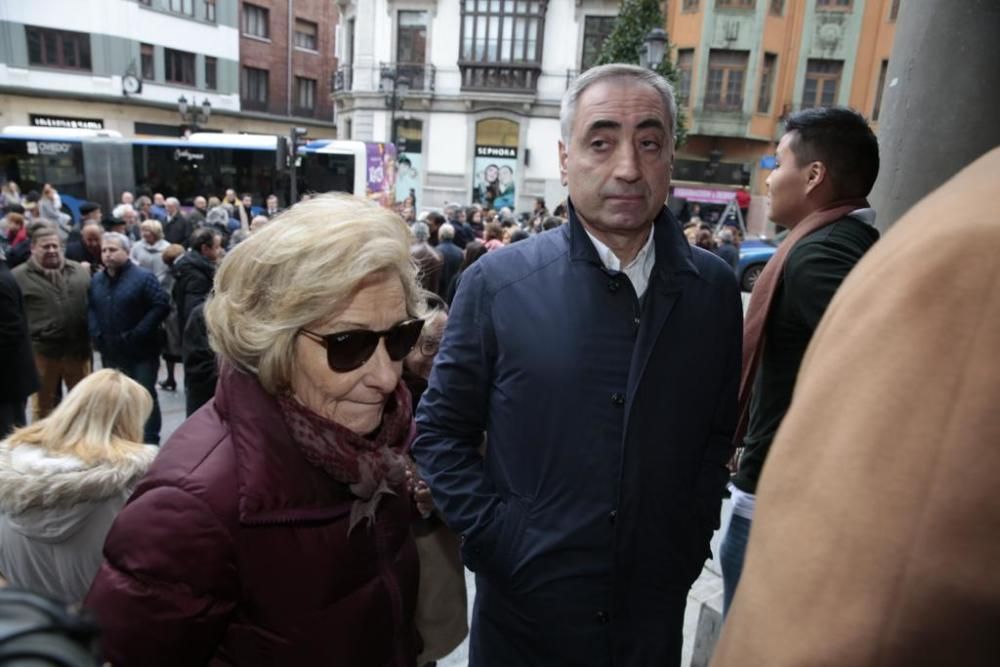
745	64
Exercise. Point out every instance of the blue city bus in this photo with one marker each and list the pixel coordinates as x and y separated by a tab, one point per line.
98	165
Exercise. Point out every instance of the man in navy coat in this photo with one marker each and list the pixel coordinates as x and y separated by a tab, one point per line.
601	359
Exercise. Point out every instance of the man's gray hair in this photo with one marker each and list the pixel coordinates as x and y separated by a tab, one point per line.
726	236
446	232
567	112
118	238
173	201
421	232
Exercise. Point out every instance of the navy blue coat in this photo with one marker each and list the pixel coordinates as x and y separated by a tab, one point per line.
125	312
608	423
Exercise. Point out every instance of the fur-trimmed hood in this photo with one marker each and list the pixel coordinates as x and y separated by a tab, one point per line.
49	497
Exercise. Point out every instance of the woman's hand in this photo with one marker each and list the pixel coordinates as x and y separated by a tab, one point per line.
420	492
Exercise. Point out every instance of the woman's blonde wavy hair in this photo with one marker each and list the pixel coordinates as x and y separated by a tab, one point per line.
100	420
304	266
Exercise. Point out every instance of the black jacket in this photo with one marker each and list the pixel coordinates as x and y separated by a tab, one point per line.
193	276
609	423
18	377
178	230
814	270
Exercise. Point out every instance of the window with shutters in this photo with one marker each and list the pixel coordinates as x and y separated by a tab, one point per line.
726	75
306	35
822	82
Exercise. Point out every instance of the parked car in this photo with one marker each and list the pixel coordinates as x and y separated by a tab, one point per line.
754	254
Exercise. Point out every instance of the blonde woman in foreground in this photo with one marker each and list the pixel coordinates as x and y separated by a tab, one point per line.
63	480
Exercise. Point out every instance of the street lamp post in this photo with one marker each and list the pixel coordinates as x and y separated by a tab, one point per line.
194	114
396	86
654	48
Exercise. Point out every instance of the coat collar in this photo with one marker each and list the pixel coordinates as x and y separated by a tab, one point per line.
275	482
673	252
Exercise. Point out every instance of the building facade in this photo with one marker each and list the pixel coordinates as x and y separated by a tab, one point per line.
287	59
123	65
476	118
745	64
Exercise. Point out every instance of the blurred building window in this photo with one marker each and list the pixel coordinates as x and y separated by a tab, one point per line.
726	73
58	48
822	82
256	21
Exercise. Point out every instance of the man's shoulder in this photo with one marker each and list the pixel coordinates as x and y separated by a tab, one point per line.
20	272
523	259
847	230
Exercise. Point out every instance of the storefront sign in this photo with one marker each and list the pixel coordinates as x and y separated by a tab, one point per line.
66	122
47	147
705	195
496	151
185	154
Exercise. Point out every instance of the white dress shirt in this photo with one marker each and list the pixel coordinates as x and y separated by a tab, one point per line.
638	270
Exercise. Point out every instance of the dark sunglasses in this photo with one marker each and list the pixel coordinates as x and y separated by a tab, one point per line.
349	350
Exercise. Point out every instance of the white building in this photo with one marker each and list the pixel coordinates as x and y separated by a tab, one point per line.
117	64
480	120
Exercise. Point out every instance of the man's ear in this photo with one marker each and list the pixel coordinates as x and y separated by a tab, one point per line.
816	176
562	163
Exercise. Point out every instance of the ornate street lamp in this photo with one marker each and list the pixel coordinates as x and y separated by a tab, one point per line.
194	115
654	48
396	85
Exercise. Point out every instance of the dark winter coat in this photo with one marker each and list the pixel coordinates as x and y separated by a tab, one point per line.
234	550
453	258
193	276
609	422
18	377
178	230
57	314
125	313
78	252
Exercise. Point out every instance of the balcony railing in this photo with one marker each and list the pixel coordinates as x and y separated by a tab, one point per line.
500	77
421	77
341	80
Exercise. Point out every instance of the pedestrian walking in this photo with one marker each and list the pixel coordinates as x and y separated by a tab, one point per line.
827	164
602	362
63	480
274	528
125	309
55	300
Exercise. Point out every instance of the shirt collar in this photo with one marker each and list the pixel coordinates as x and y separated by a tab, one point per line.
644	259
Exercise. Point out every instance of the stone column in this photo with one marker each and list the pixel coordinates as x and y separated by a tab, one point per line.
941	101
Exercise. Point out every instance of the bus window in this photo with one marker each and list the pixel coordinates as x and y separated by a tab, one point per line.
326	172
32	163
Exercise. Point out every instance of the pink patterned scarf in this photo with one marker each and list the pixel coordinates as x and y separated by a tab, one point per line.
372	466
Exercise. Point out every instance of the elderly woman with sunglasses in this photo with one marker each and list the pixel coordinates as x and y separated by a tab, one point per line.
274	528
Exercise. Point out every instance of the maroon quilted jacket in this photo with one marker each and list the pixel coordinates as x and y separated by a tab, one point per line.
234	550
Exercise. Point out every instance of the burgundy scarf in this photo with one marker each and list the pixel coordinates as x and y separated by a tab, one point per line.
370	465
764	290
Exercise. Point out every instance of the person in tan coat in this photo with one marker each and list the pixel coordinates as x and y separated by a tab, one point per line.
876	538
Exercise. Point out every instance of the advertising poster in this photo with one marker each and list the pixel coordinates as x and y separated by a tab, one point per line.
381	173
495	169
408	169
